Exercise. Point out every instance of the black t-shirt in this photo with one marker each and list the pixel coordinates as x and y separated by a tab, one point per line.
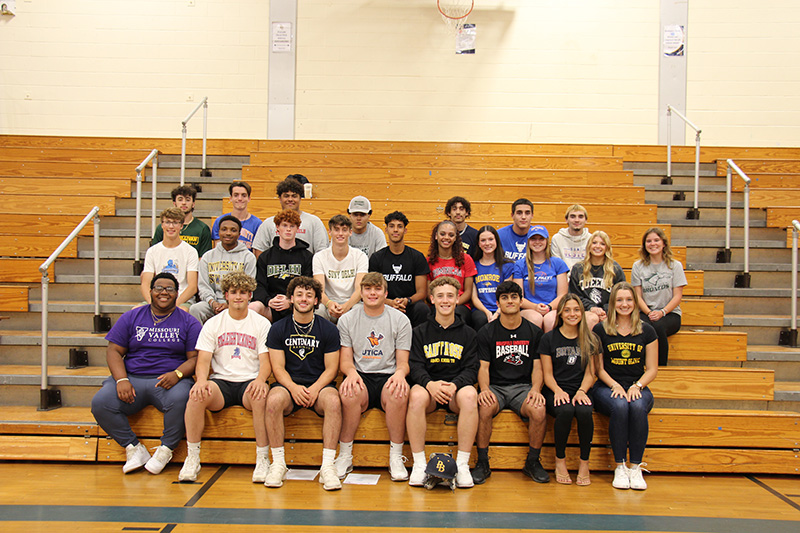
304	354
566	357
624	355
399	270
469	239
510	353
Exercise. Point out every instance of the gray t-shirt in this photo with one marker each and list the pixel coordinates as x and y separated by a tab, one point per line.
657	282
375	339
311	231
370	241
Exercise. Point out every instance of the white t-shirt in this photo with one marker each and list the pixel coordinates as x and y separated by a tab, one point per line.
177	261
340	276
235	345
311	230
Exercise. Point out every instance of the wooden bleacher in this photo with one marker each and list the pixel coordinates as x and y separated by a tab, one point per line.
681	439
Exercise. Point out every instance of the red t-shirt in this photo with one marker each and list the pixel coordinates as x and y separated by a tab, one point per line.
447	267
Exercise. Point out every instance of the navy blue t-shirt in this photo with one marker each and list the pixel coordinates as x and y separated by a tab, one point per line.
304	354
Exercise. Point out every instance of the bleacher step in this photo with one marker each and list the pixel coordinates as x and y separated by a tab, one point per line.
83	307
54	338
57	376
758	352
787	391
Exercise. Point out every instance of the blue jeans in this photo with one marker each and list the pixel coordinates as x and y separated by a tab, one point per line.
627	423
112	413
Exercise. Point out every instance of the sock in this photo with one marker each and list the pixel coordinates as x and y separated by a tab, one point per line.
395	448
345	448
328	455
278	456
533	453
483	454
262	450
192	448
419	458
462	458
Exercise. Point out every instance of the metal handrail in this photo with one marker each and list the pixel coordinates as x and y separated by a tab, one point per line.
793	326
137	258
204	170
45	397
742	280
694	213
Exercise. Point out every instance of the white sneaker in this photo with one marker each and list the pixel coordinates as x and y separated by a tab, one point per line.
191	467
275	475
344	465
160	458
418	475
621	479
137	457
397	469
329	478
637	481
463	477
262	467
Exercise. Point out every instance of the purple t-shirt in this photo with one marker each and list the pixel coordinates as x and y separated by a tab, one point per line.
154	349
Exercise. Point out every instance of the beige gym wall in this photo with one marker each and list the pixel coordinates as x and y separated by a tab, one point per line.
545	71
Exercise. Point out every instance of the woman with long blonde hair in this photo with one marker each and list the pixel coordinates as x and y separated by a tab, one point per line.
592	278
658	280
567	353
627	365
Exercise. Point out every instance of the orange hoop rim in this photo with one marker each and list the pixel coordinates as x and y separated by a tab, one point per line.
465	15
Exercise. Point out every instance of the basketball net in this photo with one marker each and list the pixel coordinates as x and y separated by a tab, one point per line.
454	13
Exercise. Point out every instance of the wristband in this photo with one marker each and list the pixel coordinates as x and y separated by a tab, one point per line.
122	379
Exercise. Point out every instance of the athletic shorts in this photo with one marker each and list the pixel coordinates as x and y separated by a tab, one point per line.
374	384
511	396
296	407
232	391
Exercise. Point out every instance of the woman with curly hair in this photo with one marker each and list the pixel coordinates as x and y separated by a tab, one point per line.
446	257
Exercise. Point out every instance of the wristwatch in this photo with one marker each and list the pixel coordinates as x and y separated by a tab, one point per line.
179	373
639	384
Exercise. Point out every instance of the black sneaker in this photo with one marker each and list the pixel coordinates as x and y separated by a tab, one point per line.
535	471
481	472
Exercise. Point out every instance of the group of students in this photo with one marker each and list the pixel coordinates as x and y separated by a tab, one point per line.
511	320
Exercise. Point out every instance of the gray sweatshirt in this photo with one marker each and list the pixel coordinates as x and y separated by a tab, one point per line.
217	262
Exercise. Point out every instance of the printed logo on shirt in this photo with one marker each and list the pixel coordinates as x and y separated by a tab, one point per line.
342	274
397	268
456	272
191	240
520	246
237	353
374	351
171	267
284	271
302	346
659	281
140	332
218	269
572	354
236	339
627	352
512	352
156	334
443	352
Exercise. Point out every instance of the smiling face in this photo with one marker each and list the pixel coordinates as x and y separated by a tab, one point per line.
340	234
228	234
184	203
571	314
537	244
373	296
289	200
654	245
458	213
444	299
487	243
171	227
304	299
239	198
624	304
163	295
445	236
597	248
238	299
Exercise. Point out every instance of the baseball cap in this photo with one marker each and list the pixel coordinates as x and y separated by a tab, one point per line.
538	230
359	204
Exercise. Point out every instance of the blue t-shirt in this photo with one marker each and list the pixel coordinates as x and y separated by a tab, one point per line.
248	233
514	245
304	354
154	349
545	275
487	280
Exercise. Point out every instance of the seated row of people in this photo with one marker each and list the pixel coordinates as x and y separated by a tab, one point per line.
154	350
518	252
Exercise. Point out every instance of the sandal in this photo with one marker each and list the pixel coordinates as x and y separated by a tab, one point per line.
583	481
564	479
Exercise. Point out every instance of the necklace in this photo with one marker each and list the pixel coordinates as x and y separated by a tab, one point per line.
157	321
304	331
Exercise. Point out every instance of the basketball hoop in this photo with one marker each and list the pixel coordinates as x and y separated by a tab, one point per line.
455	12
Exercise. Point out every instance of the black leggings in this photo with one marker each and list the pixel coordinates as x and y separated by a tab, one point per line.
563	415
669	325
